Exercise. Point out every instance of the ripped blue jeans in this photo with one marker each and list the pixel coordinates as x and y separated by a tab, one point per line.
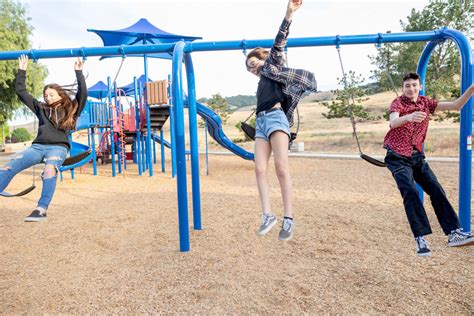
52	155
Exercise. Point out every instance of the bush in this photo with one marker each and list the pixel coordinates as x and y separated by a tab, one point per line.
21	135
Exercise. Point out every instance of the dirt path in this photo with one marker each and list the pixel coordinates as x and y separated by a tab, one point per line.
111	246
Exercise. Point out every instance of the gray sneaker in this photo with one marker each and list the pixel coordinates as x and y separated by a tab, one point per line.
268	221
459	238
286	231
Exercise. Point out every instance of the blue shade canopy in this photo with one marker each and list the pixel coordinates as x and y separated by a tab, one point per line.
140	33
98	91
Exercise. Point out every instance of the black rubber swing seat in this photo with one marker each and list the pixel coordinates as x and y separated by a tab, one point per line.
248	130
67	162
373	161
24	192
75	159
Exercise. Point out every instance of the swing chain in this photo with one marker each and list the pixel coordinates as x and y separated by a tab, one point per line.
349	105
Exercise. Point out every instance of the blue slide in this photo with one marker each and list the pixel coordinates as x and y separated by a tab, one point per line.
214	126
156	138
76	149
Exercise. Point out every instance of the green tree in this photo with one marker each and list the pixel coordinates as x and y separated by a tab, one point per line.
348	99
21	135
15	30
219	105
4	130
442	76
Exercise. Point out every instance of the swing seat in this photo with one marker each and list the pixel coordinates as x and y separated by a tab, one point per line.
69	161
373	161
24	192
75	159
248	130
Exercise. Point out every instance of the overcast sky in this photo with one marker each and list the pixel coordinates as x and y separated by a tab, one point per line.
64	24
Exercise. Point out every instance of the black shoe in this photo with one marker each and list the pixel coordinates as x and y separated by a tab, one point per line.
36	216
422	249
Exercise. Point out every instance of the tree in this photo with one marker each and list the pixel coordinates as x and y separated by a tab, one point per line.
346	99
443	69
15	30
4	130
21	135
219	105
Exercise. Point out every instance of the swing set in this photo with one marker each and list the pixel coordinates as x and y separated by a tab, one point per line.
249	130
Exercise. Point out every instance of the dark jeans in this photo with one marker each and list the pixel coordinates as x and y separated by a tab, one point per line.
406	171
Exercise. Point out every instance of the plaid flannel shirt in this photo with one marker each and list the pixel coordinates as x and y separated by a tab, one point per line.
295	81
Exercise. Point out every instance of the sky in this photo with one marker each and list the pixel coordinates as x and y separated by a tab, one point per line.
64	24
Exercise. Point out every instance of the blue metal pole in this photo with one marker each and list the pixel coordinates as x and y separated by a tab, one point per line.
119	123
93	122
154	152
148	139
143	136
193	135
180	147
111	127
137	126
94	154
465	133
173	139
162	147
123	50
207	148
465	141
72	170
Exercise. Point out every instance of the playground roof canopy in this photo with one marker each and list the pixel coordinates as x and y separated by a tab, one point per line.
140	33
98	91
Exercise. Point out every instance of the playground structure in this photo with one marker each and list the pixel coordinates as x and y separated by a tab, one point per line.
182	51
112	128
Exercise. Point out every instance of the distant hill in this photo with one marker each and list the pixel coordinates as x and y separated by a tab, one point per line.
236	102
29	127
239	102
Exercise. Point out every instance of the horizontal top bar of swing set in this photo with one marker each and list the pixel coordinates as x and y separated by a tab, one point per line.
124	50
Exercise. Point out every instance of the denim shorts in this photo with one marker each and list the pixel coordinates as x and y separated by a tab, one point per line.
270	122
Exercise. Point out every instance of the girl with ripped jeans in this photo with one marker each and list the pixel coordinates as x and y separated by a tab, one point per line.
57	116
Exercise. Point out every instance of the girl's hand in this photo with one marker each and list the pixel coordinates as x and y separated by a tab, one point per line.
78	64
22	62
294	5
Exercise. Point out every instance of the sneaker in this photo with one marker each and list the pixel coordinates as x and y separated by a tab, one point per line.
268	221
36	216
286	231
459	238
422	249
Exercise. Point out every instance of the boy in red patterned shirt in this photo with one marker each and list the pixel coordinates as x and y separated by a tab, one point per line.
409	119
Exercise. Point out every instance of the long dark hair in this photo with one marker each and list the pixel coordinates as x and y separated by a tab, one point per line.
65	105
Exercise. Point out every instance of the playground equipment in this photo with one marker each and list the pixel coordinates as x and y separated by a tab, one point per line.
182	51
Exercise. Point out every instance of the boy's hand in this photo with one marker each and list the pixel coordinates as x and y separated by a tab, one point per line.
23	62
416	117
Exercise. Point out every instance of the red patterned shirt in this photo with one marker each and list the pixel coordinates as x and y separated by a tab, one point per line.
410	135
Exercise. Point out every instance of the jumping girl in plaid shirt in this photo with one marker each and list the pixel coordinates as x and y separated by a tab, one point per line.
279	90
